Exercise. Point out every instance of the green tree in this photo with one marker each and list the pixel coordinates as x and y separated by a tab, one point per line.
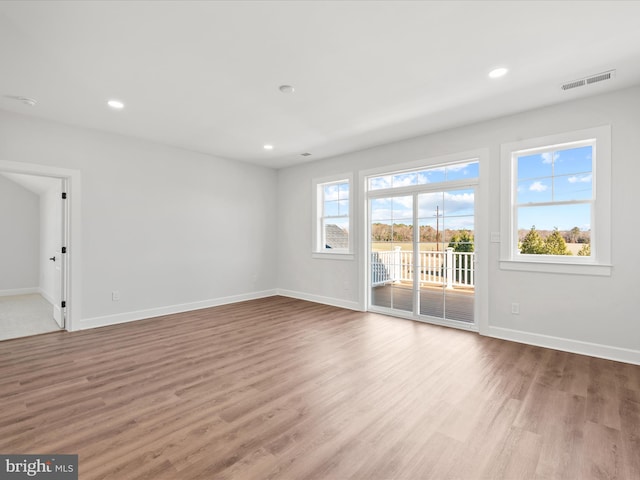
554	244
532	243
585	251
462	241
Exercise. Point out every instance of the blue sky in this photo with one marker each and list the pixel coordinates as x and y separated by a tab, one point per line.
455	209
432	175
336	199
563	175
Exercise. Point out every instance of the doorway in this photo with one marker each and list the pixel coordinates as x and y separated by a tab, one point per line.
421	244
34	288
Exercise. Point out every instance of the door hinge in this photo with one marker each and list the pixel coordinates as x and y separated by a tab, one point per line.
63	304
64	195
64	250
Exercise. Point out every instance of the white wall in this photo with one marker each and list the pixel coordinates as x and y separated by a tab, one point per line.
19	238
168	228
50	238
595	315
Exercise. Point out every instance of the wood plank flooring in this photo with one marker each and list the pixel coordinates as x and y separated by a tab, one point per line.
284	389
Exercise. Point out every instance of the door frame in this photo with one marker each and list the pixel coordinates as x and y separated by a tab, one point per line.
481	229
72	281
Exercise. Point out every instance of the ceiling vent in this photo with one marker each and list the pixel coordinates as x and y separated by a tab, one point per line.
305	154
598	77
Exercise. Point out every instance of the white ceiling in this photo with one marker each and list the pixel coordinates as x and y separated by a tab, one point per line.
205	75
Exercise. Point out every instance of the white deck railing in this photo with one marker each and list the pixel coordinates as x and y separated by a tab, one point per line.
449	268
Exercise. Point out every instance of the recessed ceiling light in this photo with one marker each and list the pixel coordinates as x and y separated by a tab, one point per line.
117	104
286	89
498	72
268	147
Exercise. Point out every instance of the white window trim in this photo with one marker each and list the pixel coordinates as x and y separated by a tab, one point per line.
316	251
481	233
600	262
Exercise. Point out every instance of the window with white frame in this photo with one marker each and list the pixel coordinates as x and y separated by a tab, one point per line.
556	203
333	209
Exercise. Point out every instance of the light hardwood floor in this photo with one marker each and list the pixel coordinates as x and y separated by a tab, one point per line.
284	389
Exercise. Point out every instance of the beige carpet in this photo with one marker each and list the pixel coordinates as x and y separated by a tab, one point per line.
24	315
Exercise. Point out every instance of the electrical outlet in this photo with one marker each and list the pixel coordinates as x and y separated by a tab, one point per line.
515	308
115	295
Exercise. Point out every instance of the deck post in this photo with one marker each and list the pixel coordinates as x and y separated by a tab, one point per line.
397	264
449	268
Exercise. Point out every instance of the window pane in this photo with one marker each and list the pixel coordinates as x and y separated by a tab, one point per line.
535	166
380	232
402	207
330	191
458	213
429	233
405	179
431	176
380	209
378	183
534	191
343	207
573	223
458	202
343	191
573	187
573	160
462	171
563	217
430	205
336	234
331	209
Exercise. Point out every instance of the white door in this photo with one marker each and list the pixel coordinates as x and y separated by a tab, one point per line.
59	260
58	315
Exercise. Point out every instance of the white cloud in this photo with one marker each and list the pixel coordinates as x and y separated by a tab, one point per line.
404	180
579	179
537	187
380	182
331	192
548	158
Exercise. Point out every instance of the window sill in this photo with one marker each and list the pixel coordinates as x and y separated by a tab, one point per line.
553	267
333	255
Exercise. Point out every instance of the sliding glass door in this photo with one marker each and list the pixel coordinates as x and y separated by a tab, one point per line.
421	245
446	263
391	245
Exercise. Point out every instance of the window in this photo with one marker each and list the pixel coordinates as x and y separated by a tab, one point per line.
555	215
333	216
447	173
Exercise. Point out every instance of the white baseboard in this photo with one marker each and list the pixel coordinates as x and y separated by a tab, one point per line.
46	296
19	291
168	310
567	345
335	302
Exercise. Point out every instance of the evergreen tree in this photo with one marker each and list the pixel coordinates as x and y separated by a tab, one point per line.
554	244
532	244
462	241
585	251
